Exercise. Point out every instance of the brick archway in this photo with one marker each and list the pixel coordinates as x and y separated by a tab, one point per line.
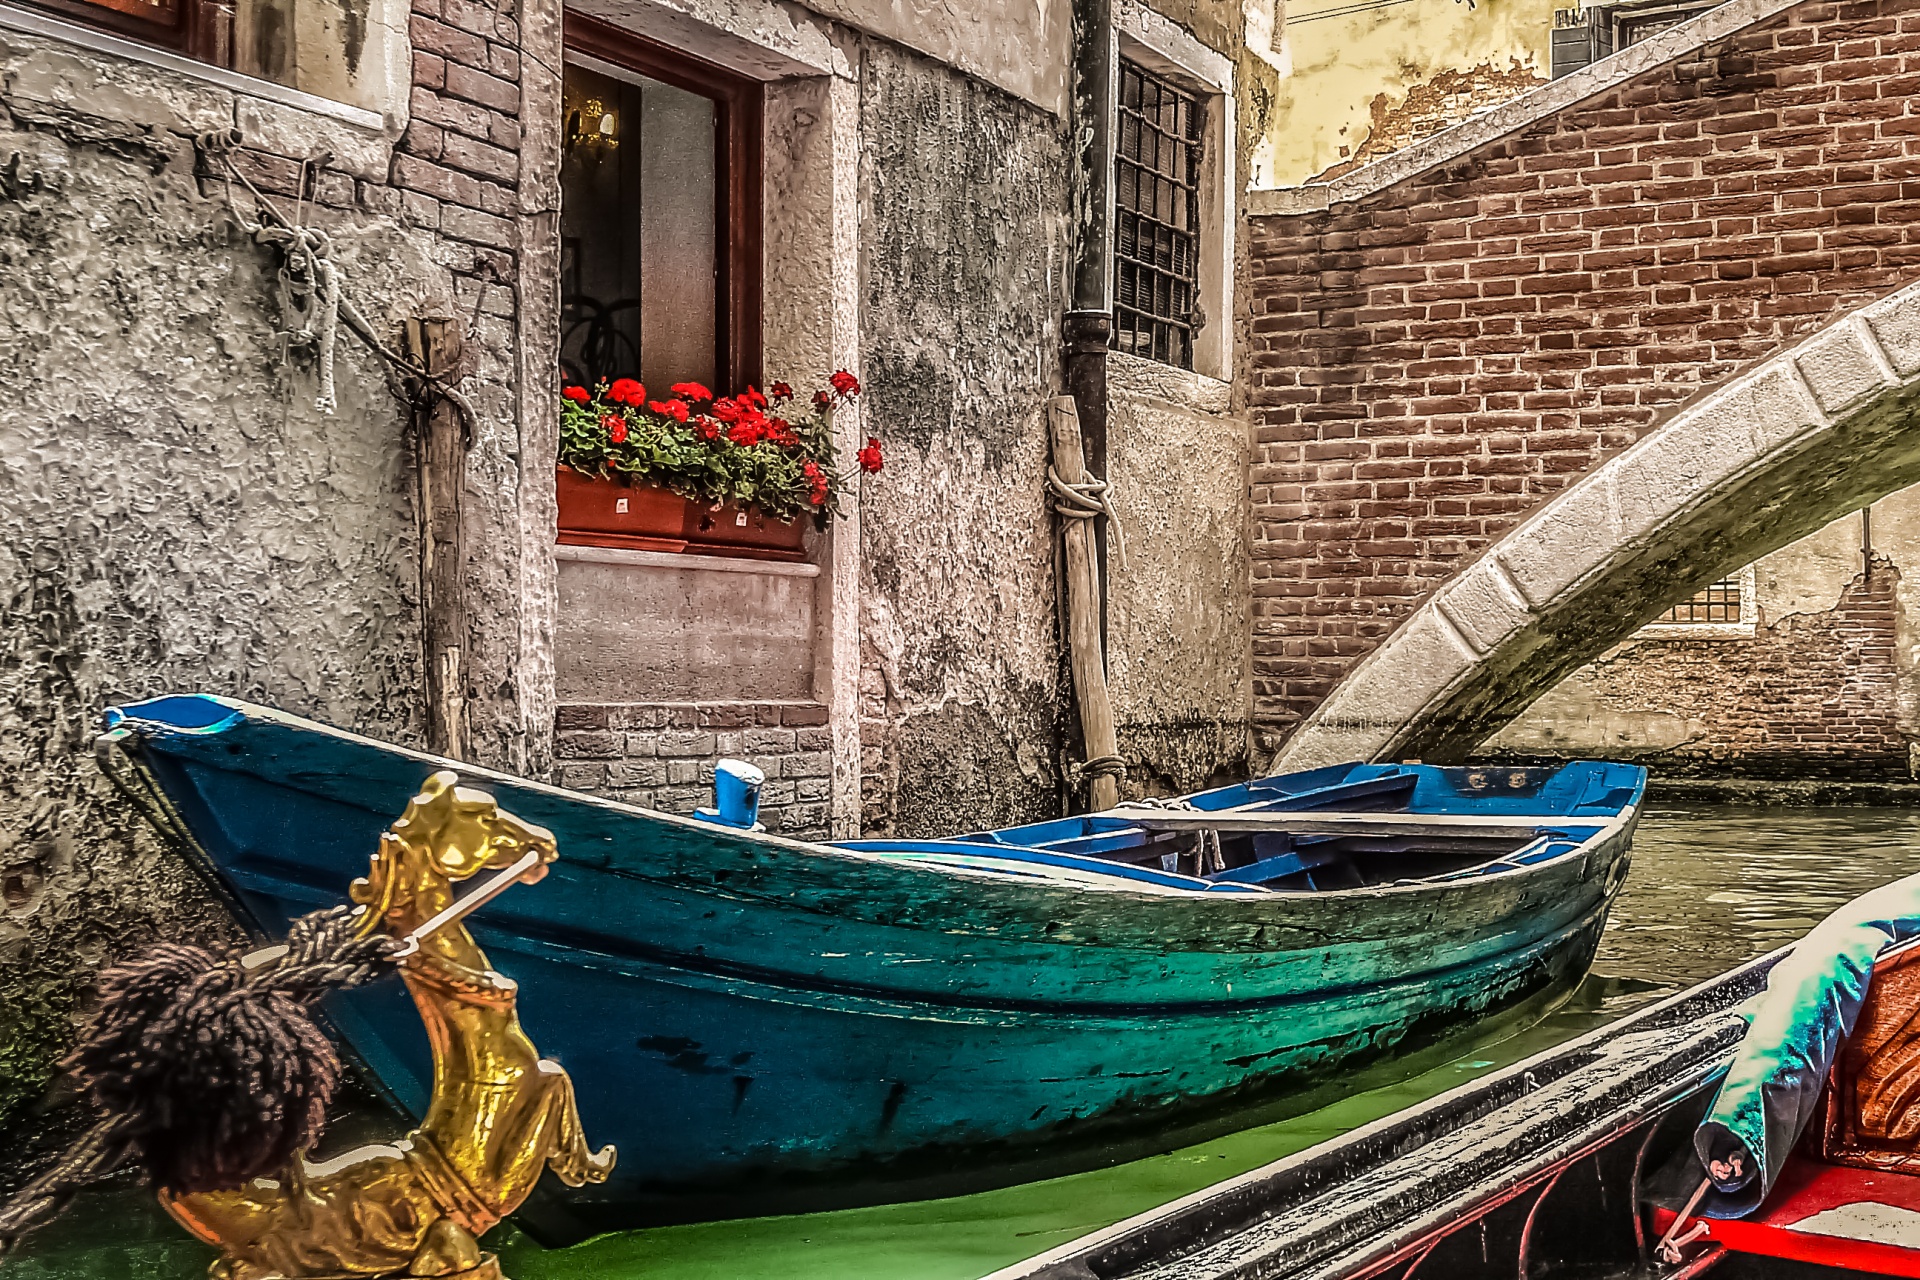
1799	440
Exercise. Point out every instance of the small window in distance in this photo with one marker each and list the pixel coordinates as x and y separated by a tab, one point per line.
1156	243
1719	603
332	49
659	216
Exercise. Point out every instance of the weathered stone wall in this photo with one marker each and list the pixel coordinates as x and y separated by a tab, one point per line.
964	243
176	514
1809	695
661	756
1436	356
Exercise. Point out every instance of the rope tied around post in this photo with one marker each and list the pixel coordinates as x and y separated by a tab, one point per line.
1107	766
1083	500
312	285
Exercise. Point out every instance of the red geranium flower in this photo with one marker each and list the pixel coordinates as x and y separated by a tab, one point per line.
691	391
576	394
845	383
675	409
780	391
870	456
627	391
781	432
822	399
706	428
616	427
726	410
746	434
753	397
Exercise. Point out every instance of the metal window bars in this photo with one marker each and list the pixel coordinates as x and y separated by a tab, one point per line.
1156	218
1720	602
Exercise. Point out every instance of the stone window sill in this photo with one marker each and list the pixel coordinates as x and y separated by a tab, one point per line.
1149	379
40	24
1695	631
676	560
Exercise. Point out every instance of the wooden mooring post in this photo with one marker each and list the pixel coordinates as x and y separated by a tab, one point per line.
1083	609
439	479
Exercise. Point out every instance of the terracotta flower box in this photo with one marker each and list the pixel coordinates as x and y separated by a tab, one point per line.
604	513
646	517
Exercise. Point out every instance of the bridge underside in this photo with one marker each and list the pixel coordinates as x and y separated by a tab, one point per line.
1809	435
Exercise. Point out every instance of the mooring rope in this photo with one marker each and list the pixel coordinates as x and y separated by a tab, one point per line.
312	284
1083	501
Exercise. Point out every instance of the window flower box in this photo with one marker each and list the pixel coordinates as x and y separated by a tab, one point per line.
726	476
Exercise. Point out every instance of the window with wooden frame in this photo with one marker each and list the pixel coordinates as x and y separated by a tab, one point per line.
1156	244
660	214
333	49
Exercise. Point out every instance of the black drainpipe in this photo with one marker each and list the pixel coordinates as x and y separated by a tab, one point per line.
1087	328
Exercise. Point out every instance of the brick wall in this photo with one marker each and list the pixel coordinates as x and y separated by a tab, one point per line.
1814	695
455	171
661	756
1432	361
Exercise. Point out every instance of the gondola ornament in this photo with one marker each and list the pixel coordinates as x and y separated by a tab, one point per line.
222	1123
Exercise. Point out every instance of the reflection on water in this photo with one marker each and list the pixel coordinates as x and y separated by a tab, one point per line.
1709	888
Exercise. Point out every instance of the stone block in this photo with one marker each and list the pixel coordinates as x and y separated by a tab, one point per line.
814	789
637	773
811	764
681	799
805	715
1550	551
684	742
1483	604
771	742
682	773
587	744
1839	366
635	715
581	776
640	744
579	717
813	739
1366	712
777	792
730	742
1895	322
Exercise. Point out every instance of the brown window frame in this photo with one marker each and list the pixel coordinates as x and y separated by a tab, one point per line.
738	117
199	29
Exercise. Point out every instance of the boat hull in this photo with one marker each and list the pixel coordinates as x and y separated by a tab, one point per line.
763	1026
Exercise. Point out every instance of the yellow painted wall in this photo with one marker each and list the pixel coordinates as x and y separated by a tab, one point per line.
1338	64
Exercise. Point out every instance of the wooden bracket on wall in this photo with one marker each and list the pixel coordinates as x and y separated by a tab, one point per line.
440	470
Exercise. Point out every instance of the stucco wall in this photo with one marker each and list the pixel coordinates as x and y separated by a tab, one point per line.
1178	664
176	514
963	247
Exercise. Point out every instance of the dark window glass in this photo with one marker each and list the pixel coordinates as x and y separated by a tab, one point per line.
638	271
659	215
1156	218
1720	602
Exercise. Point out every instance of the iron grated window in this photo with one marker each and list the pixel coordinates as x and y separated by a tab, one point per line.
1720	602
1156	218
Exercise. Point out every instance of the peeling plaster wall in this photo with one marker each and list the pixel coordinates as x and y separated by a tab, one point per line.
1341	67
963	253
176	515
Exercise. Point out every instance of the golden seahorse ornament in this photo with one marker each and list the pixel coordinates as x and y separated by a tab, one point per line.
500	1112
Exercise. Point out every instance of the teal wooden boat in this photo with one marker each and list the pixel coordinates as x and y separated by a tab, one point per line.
765	1025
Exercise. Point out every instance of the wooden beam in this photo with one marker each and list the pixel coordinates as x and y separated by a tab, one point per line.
440	473
1380	824
1083	609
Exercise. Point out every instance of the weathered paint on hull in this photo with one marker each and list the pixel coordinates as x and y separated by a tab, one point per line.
763	1025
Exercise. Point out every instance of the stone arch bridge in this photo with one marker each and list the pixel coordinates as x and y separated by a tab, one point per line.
1522	386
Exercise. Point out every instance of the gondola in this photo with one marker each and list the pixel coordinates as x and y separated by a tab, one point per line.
1611	1156
766	1025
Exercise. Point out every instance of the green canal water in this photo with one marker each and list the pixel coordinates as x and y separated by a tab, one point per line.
1709	888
